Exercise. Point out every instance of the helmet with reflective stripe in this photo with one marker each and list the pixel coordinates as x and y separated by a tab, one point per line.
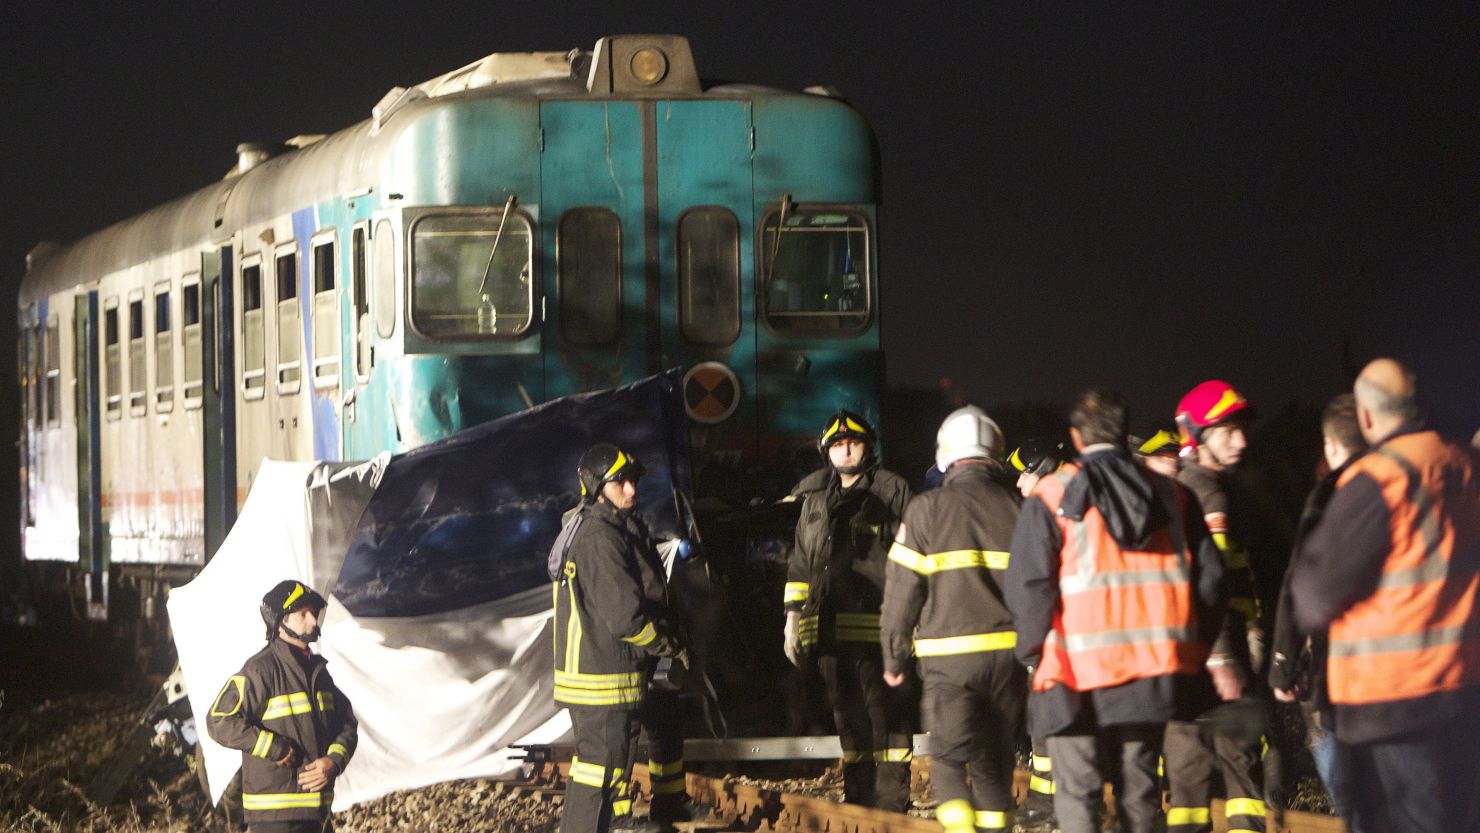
1213	402
604	463
845	425
1037	456
1162	442
284	598
968	432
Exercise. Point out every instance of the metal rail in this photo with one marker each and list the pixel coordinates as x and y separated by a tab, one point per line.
746	807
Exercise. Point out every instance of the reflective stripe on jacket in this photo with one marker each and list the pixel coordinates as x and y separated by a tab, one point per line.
1124	614
281	700
943	594
1418	633
610	607
835	570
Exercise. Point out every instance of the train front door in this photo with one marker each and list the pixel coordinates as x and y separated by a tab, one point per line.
599	253
705	227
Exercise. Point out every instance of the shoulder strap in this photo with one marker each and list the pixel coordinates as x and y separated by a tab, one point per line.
555	564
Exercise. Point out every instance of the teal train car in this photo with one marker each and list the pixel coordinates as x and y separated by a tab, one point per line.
528	226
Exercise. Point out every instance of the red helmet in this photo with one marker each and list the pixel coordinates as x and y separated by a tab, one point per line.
1211	403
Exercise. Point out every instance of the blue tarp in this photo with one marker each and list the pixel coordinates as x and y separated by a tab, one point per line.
469	519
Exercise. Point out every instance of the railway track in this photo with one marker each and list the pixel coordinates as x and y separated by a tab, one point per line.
741	806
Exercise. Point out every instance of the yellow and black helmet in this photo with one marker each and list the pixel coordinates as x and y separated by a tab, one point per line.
1164	441
1038	456
284	598
602	464
845	425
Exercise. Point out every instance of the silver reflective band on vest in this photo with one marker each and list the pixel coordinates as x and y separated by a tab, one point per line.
1434	566
1132	636
1404	641
1086	577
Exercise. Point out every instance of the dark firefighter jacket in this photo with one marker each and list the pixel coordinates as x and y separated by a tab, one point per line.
281	699
611	612
1116	486
1227	528
835	571
944	595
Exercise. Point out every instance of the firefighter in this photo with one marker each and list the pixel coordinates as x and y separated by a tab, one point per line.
1211	419
1160	452
1391	571
1035	460
1116	593
295	729
835	583
612	623
943	607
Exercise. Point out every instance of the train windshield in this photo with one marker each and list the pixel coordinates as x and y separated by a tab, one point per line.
462	284
817	279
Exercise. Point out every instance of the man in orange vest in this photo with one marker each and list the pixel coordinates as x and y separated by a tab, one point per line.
1394	569
1116	591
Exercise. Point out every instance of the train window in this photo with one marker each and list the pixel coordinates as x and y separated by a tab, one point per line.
190	383
254	349
326	345
588	269
27	362
816	272
385	280
709	276
136	356
112	371
471	275
289	323
164	351
360	319
52	358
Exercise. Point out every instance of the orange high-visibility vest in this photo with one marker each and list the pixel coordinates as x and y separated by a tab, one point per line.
1123	614
1418	633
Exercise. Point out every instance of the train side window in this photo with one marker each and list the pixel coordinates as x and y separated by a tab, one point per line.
254	344
112	364
190	383
359	321
289	323
164	351
709	276
466	286
816	272
26	360
52	359
588	270
137	356
326	346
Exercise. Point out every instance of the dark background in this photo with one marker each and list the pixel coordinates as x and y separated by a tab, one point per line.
1073	194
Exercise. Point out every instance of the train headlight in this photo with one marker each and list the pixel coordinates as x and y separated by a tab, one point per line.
648	65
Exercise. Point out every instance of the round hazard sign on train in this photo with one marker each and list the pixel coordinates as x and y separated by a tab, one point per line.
711	392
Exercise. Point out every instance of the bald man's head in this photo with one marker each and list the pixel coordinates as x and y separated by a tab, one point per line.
1387	397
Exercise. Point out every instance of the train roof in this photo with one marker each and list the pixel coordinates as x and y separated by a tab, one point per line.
270	181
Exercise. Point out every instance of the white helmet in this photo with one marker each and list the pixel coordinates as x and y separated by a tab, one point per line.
968	432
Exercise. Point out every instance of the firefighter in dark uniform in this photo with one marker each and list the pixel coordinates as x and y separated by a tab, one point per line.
612	623
1211	418
835	584
943	604
295	729
1034	460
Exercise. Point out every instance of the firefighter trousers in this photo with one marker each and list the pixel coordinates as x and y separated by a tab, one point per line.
973	709
1125	756
1195	754
875	723
600	785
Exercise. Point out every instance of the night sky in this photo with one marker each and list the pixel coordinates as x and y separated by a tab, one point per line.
1073	194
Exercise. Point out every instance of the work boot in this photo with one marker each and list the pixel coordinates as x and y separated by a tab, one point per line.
633	824
669	813
1036	813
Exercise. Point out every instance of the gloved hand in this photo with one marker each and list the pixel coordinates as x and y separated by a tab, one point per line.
792	636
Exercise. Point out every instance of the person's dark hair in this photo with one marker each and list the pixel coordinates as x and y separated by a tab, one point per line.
1339	422
1101	417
